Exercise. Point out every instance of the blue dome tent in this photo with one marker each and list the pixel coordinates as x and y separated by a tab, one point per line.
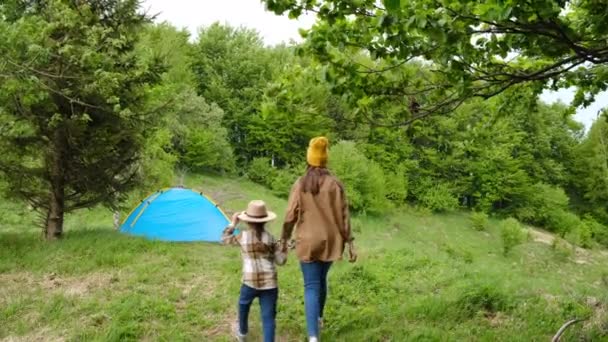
176	214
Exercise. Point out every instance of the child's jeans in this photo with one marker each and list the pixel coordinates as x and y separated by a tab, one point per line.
268	304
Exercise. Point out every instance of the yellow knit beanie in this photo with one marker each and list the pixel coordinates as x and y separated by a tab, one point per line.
317	152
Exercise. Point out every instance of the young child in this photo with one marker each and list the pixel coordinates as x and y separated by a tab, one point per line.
260	252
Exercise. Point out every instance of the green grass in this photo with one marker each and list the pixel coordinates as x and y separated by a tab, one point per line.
420	277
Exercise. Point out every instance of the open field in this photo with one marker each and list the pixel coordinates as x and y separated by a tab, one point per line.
420	277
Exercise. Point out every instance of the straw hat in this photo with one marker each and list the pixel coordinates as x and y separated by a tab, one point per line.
257	212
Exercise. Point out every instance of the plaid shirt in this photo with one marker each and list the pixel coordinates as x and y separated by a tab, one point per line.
259	257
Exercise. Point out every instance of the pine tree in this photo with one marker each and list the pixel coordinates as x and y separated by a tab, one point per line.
71	97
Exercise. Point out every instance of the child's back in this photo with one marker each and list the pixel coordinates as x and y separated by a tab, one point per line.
260	252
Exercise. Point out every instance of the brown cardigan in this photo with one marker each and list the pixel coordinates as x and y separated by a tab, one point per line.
322	220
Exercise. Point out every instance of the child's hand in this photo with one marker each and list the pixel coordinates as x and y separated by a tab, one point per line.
235	220
280	258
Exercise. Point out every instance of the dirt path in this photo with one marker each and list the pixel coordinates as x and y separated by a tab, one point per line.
581	255
542	236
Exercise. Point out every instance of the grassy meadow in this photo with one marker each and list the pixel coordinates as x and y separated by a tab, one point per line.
420	277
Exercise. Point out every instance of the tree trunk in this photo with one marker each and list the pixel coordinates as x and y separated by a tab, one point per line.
54	222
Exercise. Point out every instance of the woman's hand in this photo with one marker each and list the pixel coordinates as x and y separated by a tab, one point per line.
352	254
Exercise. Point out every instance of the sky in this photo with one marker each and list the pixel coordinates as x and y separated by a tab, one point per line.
193	14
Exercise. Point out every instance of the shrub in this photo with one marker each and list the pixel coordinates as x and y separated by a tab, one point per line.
439	198
541	203
581	235
206	150
599	232
562	221
562	250
481	298
283	181
363	179
511	234
261	171
479	220
458	254
601	235
374	188
396	186
157	163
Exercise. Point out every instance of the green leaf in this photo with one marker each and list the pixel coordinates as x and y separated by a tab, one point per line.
392	5
421	21
410	22
295	13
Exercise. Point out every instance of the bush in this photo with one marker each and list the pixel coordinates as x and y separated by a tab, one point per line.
261	171
283	181
541	203
363	179
206	150
157	163
587	232
198	137
511	234
562	249
562	221
439	198
458	254
581	235
396	187
479	220
599	232
585	235
601	235
481	298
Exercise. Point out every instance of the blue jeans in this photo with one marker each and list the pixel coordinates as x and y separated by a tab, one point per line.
268	306
315	293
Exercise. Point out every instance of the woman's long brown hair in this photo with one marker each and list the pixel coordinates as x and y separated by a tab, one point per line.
311	182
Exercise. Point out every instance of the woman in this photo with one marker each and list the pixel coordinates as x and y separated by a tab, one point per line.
317	206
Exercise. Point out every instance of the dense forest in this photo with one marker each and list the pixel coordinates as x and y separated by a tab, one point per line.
98	104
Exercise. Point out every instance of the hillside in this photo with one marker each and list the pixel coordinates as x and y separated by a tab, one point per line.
420	277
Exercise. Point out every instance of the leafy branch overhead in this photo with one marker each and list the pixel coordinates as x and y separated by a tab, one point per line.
465	48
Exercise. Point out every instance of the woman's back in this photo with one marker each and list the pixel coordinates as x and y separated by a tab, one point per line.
322	218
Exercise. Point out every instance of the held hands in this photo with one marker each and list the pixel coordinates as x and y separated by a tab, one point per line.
284	246
287	245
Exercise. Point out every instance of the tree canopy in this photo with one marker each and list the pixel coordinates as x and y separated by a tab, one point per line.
470	48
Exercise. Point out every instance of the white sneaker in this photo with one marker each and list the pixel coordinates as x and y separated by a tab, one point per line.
239	337
313	339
